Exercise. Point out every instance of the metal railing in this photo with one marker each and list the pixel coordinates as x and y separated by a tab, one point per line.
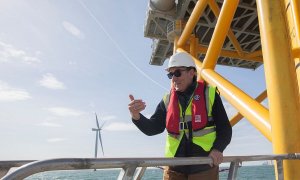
129	165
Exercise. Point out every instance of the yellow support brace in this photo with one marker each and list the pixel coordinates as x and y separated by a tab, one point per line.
284	105
236	118
292	8
295	4
193	45
280	47
215	9
255	56
220	32
193	20
257	114
253	111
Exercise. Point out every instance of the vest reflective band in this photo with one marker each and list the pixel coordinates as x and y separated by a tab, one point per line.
204	137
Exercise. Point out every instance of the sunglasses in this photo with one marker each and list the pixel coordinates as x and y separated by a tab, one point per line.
176	73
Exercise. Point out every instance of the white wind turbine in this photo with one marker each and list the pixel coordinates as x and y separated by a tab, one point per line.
98	135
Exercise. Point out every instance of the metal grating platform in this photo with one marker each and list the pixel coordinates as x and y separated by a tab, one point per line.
244	26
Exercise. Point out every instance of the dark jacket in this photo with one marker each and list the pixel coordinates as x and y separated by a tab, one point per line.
157	124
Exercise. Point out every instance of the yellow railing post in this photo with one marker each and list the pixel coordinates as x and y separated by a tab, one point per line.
284	105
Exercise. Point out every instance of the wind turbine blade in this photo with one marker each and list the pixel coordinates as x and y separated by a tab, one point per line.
101	142
102	125
97	121
96	144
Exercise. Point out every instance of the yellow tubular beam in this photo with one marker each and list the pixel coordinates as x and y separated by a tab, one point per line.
233	54
296	52
236	118
192	22
220	32
262	96
215	8
284	105
193	49
175	42
255	53
257	114
295	4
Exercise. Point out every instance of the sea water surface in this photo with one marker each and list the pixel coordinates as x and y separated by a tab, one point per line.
244	173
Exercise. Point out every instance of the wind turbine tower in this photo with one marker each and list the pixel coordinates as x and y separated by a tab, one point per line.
98	136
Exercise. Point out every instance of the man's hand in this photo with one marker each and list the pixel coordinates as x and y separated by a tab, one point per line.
217	157
135	107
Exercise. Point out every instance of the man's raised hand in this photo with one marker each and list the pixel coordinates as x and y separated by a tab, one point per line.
135	107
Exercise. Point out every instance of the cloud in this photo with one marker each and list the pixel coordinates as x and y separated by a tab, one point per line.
63	111
49	124
108	118
49	81
118	126
10	53
72	29
72	63
53	140
9	94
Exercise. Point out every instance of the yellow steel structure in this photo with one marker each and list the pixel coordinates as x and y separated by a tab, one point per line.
220	33
200	6
254	56
215	8
294	24
236	118
284	106
256	113
279	31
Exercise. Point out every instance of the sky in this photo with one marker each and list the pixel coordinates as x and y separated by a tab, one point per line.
62	61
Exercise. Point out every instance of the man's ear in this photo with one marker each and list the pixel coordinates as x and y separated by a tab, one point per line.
192	72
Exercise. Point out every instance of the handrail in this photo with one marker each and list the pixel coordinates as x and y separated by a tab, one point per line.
129	165
6	165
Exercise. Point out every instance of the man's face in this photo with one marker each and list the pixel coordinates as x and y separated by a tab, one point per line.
184	79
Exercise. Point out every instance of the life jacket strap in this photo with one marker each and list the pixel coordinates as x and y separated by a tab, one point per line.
183	126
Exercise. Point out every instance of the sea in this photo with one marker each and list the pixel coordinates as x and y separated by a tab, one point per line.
264	172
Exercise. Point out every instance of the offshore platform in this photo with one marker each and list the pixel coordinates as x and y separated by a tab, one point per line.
245	34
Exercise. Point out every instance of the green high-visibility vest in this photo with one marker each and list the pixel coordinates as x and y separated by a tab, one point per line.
204	137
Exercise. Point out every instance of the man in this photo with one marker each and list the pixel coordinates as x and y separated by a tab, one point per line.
194	117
